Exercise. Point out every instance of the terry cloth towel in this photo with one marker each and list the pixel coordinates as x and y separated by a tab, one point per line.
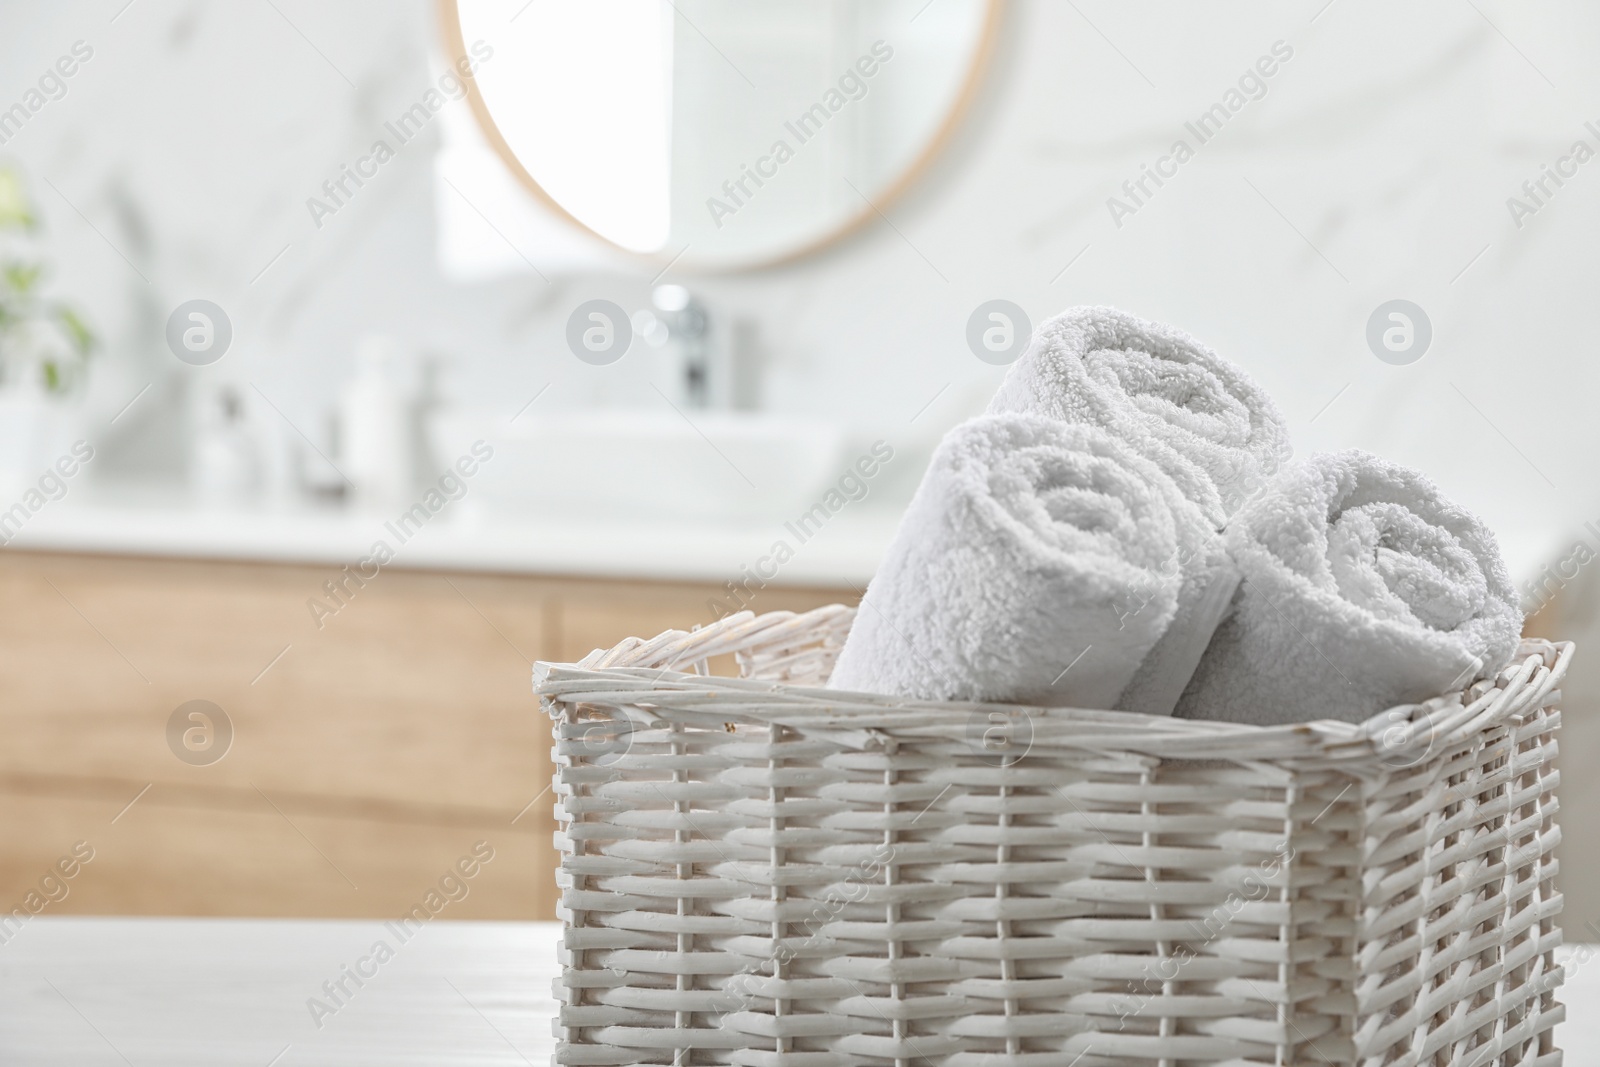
1038	563
1203	420
1362	589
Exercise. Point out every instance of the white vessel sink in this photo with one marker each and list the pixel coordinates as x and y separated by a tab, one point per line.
627	463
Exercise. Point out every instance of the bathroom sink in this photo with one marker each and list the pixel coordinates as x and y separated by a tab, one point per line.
625	463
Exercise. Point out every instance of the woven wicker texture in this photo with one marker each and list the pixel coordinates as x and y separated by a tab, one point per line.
759	871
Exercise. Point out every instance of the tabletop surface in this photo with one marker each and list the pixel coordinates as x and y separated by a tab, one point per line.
225	992
846	550
252	993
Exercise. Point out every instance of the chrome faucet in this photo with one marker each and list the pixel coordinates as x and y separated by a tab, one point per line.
688	330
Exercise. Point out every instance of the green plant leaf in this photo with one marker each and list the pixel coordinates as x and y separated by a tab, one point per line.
15	211
82	337
21	277
52	377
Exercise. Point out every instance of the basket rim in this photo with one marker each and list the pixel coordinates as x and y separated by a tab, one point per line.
639	674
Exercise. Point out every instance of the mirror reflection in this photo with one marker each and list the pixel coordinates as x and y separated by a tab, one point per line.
723	133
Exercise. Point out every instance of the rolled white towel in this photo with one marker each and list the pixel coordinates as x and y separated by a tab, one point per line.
1038	563
1203	420
1362	588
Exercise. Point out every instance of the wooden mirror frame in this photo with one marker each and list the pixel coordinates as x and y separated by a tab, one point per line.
455	45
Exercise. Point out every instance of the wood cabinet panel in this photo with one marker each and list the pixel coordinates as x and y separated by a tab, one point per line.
602	614
389	727
161	858
417	690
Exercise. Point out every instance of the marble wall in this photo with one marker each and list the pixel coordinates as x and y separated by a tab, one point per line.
1376	164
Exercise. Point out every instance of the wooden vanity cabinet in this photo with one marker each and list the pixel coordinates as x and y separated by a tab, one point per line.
372	747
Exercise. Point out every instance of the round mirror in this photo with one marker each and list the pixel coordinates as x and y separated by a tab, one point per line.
718	134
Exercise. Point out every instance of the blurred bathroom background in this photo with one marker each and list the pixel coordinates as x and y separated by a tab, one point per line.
371	324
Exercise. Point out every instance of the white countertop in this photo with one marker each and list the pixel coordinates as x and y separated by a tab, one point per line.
213	992
463	538
225	992
468	536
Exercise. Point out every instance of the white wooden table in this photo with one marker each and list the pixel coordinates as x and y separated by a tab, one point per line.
226	992
233	993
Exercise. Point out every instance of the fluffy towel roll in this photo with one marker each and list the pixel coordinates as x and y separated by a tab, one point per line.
1198	416
1362	589
1038	563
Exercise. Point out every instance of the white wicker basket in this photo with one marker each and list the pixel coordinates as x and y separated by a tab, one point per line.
761	871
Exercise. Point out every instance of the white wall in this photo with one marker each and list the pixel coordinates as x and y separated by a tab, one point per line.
1390	142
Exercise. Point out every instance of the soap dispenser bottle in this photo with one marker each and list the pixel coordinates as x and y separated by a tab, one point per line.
376	425
226	465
